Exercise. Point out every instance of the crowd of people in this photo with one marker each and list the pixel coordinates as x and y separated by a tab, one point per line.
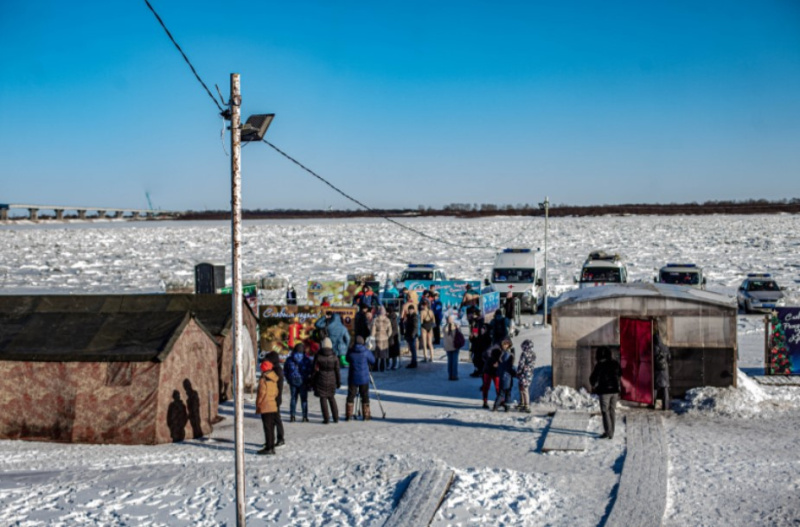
405	317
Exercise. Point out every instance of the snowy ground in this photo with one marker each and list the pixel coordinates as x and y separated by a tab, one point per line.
730	451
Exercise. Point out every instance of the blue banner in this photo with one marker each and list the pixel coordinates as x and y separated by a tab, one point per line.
450	291
490	302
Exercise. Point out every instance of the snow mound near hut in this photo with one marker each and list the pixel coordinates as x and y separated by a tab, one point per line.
568	398
748	399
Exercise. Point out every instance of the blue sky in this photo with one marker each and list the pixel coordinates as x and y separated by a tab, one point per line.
402	103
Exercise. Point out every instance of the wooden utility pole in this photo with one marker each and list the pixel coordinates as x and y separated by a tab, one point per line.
236	249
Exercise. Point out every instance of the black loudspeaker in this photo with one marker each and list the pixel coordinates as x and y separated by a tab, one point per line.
208	278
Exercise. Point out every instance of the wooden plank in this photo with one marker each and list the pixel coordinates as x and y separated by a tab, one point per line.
642	492
422	498
568	432
777	380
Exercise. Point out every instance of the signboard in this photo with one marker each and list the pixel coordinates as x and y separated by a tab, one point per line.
450	291
275	322
318	290
782	356
250	293
490	302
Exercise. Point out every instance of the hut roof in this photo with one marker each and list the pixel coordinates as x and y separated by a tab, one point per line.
645	289
212	311
89	336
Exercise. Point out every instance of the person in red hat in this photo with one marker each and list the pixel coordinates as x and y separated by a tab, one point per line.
267	405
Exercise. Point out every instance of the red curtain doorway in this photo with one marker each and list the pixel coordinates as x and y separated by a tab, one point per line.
636	359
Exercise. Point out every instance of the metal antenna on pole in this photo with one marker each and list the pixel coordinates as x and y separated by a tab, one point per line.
236	248
546	206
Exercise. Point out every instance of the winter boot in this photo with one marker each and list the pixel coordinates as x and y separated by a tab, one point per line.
348	411
291	419
343	362
365	412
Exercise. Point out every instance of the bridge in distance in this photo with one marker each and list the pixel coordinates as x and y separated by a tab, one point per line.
81	212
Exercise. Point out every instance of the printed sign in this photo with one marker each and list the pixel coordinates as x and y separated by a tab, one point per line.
490	302
782	355
318	290
249	292
280	324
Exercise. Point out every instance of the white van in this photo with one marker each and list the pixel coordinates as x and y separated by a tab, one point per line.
601	268
520	271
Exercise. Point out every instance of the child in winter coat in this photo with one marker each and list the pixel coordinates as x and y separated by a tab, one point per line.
267	406
525	366
506	373
297	371
491	362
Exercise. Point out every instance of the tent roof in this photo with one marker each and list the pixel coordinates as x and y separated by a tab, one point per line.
90	337
212	311
644	289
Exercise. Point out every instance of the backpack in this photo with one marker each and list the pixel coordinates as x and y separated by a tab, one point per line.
458	339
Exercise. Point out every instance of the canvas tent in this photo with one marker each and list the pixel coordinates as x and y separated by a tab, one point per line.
698	326
96	377
212	311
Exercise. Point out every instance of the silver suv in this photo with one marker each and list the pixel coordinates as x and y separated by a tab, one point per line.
759	293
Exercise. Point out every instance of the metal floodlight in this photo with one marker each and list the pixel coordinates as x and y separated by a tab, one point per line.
256	126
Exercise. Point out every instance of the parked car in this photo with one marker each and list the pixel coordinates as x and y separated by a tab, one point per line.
520	272
759	292
601	268
687	274
429	272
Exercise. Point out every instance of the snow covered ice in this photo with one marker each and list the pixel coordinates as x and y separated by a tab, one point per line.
731	451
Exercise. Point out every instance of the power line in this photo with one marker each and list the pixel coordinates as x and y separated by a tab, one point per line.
183	55
367	207
296	162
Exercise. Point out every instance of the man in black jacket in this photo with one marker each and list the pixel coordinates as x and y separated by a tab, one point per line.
605	381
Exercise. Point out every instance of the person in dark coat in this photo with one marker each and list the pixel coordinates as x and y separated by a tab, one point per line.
478	346
394	338
505	375
438	313
297	370
337	332
361	324
661	359
327	380
275	359
291	296
410	332
491	360
498	327
360	359
605	381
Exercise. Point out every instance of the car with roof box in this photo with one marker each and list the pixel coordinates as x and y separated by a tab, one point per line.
601	268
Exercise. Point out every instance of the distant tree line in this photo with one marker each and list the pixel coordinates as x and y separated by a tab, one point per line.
472	210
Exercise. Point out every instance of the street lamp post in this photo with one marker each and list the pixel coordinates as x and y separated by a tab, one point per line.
545	205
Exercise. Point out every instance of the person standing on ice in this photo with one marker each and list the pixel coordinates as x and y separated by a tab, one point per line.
394	338
491	360
326	380
410	323
438	313
267	406
427	322
275	359
452	345
605	381
505	374
360	359
525	367
661	360
297	370
337	332
382	332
